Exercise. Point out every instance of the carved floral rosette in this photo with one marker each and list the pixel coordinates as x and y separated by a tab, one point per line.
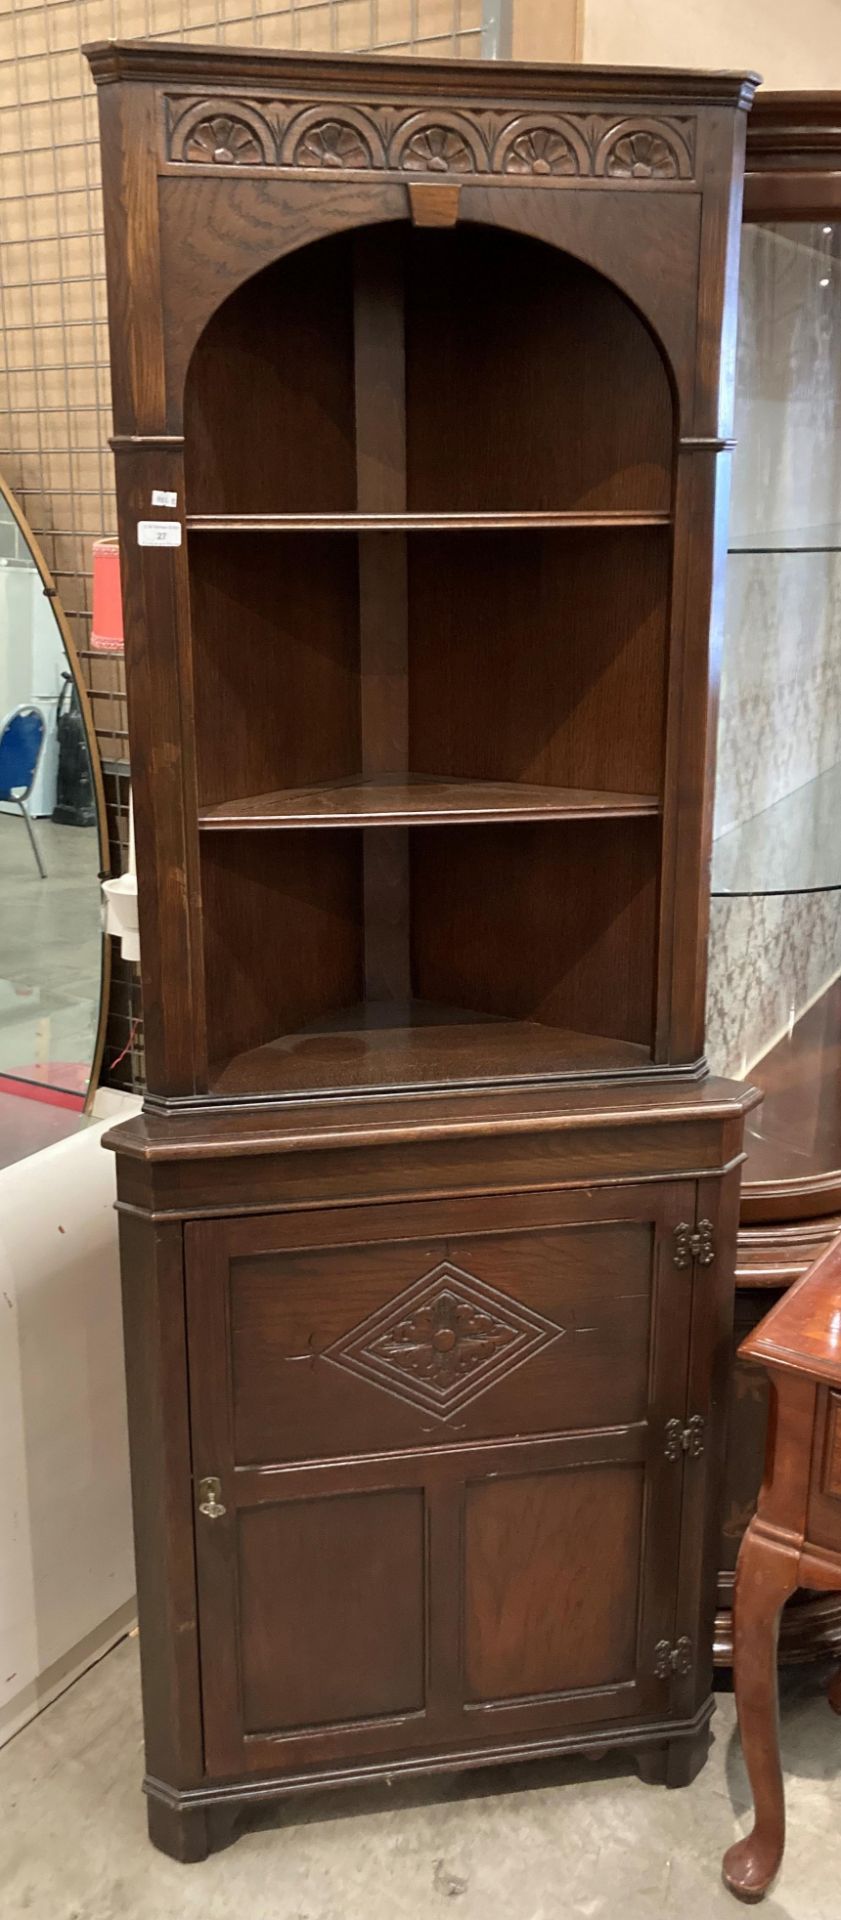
546	146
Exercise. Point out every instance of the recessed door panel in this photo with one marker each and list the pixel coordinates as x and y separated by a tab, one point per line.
552	1566
331	1609
445	1510
337	1350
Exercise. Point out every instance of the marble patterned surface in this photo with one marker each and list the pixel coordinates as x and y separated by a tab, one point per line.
780	702
780	713
770	956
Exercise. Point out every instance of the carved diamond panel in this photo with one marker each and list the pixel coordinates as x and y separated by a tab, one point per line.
444	1341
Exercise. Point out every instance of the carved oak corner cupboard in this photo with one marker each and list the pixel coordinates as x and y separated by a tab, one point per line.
422	387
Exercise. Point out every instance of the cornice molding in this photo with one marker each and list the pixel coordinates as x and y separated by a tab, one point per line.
422	79
793	123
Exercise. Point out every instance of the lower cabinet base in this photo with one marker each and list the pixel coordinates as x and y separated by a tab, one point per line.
428	1482
178	1827
188	1826
676	1762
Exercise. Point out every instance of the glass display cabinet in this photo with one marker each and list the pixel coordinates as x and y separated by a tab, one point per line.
774	999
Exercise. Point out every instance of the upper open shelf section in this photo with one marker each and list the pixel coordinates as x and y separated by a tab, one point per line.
554	404
415	522
429	496
420	801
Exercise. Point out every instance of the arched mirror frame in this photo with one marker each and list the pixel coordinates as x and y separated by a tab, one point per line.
793	174
7	499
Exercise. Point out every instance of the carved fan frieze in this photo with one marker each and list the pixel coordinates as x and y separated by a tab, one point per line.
332	144
542	148
343	141
432	146
339	138
540	151
219	133
642	151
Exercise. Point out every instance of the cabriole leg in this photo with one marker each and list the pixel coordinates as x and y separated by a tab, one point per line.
764	1579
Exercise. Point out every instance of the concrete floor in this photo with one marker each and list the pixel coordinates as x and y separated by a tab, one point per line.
566	1841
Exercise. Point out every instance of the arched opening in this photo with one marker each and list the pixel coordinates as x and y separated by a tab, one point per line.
429	479
530	382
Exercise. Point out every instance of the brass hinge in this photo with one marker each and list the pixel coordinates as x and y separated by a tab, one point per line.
210	1502
685	1439
670	1659
694	1243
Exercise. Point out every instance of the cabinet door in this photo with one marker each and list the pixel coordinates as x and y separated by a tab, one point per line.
445	1514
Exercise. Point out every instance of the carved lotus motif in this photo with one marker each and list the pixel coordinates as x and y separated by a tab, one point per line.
332	143
223	141
437	150
642	156
443	1341
541	151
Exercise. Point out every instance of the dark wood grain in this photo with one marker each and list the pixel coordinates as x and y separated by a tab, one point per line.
793	161
331	1599
244	1160
794	1539
549	1533
391	1043
539	657
290	1308
420	800
379	350
257	987
155	590
524	646
804	1327
545	444
526	937
428	1153
156	1378
336	1440
275	636
281	348
593	521
174	62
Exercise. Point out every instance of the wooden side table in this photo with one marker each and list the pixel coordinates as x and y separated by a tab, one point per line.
793	1541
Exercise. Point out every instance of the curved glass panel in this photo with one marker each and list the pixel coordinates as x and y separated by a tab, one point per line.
774	1005
50	925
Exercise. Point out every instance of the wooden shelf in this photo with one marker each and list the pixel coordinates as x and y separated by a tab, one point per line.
420	801
416	522
414	1043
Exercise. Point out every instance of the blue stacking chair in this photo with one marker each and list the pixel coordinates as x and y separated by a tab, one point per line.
22	738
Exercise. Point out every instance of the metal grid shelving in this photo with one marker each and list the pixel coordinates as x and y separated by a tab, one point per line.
55	408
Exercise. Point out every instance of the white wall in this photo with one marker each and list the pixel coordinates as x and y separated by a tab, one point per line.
789	47
66	1561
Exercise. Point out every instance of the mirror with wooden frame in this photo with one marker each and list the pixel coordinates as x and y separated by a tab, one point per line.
53	839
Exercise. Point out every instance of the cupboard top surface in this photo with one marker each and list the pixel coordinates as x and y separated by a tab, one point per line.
301	1124
112	60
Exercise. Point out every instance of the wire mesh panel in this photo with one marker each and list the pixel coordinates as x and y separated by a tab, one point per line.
55	408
